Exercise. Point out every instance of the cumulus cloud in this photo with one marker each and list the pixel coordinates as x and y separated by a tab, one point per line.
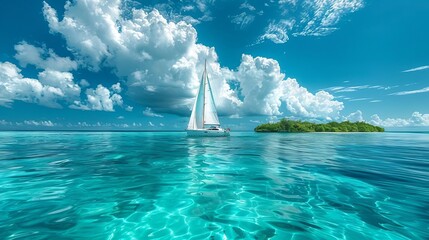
117	87
84	83
260	79
42	58
355	116
62	81
162	65
51	88
83	34
54	85
264	88
100	99
416	119
160	59
303	103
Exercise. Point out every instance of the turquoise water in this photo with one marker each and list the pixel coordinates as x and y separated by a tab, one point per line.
113	185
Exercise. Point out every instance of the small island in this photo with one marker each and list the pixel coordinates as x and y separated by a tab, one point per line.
286	125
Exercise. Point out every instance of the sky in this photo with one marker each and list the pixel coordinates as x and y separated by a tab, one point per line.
136	65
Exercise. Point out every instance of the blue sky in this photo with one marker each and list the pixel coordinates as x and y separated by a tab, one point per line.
136	64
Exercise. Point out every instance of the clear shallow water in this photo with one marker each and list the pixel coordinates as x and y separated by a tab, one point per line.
96	185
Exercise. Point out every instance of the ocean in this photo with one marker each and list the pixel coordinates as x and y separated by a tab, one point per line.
162	185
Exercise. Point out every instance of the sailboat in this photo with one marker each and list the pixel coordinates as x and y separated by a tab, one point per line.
204	121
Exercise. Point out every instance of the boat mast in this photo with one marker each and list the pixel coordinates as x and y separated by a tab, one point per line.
204	88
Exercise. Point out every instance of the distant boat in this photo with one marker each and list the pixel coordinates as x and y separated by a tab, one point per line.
204	121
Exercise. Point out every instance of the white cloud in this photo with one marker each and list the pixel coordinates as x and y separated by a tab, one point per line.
260	79
292	2
247	6
129	108
39	123
355	116
416	69
88	43
358	99
117	87
188	8
137	124
42	58
100	99
46	123
264	89
243	19
148	112
192	12
423	90
303	103
350	89
84	83
308	18
416	119
34	124
151	124
100	125
62	81
420	119
4	122
162	64
51	88
322	15
161	60
278	31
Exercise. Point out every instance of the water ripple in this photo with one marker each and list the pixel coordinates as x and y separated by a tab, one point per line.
248	186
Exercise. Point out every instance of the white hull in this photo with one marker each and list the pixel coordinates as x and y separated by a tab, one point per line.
208	133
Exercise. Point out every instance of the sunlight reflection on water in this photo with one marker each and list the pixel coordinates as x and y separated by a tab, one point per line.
98	185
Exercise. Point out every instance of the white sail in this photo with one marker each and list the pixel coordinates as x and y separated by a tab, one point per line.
204	120
196	120
210	113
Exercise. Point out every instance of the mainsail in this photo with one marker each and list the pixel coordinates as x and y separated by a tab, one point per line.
204	113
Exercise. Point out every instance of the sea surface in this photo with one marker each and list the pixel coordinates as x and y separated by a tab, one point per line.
143	185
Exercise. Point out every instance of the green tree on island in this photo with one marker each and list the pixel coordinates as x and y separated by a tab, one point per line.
286	125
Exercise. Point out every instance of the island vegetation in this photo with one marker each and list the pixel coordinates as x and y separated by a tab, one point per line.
286	125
